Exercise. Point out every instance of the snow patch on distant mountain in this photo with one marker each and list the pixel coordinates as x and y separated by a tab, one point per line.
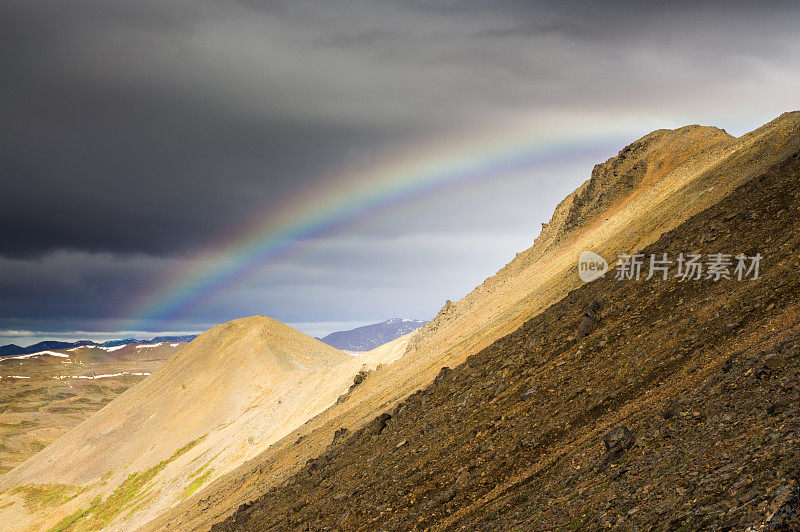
10	350
369	337
40	353
114	348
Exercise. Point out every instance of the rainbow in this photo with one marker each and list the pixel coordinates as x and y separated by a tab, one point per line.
353	199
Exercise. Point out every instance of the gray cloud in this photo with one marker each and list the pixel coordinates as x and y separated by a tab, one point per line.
137	135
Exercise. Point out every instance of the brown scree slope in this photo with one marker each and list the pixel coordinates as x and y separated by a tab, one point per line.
651	187
703	373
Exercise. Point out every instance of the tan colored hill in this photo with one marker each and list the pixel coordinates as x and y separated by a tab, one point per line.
651	187
220	401
44	395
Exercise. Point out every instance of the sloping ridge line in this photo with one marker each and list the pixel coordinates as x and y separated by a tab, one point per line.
660	181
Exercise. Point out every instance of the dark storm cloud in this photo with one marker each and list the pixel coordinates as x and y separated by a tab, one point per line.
72	290
137	134
101	150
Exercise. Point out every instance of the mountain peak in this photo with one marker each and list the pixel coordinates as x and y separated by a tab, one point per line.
369	337
211	383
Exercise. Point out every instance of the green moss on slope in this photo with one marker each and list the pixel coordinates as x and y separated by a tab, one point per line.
196	483
100	513
38	496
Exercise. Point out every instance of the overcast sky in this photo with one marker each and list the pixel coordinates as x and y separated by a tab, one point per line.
138	135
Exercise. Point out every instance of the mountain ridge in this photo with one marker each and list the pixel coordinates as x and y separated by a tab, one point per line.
13	349
716	164
679	408
672	176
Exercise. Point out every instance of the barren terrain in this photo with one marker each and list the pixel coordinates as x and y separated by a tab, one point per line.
650	188
678	410
42	396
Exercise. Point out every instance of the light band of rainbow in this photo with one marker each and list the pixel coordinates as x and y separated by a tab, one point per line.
372	192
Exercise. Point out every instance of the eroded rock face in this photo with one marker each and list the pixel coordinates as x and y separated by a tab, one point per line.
658	157
642	162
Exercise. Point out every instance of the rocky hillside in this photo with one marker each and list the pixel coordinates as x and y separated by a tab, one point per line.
662	180
624	404
369	337
651	186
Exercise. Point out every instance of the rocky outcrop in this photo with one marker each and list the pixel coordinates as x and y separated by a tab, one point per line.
639	166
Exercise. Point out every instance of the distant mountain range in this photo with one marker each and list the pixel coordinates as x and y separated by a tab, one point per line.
371	336
49	345
359	339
